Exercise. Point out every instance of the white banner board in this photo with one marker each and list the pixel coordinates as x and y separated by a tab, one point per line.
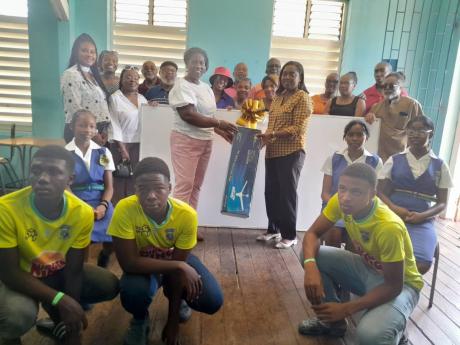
324	136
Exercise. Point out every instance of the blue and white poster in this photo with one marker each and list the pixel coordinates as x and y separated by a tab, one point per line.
241	173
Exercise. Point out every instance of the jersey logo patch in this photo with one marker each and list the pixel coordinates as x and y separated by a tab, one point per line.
170	234
64	232
365	236
31	234
143	230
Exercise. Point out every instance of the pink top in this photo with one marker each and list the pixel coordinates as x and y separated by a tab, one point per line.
373	96
231	91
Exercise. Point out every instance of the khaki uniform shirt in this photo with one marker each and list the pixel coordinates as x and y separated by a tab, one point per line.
394	118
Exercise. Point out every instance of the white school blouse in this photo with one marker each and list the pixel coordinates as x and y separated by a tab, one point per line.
71	146
327	166
418	167
125	118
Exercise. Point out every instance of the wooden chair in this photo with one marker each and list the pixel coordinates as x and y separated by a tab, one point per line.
435	273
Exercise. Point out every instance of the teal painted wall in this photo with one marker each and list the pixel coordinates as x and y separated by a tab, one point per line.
365	32
232	31
423	36
45	55
94	18
50	44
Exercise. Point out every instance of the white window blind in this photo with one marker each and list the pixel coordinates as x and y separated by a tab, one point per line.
289	18
170	13
15	100
325	20
310	32
150	30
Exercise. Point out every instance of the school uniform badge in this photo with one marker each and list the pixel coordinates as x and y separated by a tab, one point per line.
103	160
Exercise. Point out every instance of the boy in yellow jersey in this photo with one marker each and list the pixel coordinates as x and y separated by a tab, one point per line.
153	235
383	273
43	233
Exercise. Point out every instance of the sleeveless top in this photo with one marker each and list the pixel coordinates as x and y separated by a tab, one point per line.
410	192
339	163
343	109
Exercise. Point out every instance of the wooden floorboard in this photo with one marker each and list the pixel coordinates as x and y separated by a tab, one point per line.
264	299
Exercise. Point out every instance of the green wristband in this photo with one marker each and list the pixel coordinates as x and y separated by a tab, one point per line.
306	261
57	298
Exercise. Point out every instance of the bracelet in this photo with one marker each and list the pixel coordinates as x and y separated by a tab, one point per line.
57	298
306	261
218	123
273	137
104	204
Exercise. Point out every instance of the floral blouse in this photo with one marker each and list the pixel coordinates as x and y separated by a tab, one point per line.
77	93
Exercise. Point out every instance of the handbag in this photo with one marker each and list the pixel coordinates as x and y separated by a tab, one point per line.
123	169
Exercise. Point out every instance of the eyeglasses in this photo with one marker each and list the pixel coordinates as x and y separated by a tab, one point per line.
412	132
129	67
391	86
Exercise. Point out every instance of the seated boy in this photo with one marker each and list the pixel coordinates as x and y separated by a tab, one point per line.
153	235
44	231
384	274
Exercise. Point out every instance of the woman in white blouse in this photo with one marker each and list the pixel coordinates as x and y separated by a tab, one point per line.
82	88
194	106
125	105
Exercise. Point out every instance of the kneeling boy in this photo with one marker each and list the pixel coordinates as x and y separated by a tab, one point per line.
153	235
383	273
43	233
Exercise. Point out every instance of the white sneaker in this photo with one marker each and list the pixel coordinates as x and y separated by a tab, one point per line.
286	245
268	237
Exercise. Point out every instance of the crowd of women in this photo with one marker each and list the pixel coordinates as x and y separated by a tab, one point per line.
103	131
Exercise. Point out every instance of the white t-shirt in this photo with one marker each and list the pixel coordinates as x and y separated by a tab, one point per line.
125	118
418	167
71	146
327	166
201	96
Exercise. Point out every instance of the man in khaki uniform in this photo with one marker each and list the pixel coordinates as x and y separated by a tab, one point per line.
394	112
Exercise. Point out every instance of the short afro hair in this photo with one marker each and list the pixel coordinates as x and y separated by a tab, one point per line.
361	171
152	165
56	152
190	52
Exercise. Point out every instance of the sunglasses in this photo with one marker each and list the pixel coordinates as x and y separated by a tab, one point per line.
412	132
390	86
129	67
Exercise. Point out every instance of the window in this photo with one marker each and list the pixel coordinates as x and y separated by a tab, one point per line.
172	13
309	31
150	30
15	102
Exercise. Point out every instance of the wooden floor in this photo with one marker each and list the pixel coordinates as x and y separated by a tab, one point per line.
264	298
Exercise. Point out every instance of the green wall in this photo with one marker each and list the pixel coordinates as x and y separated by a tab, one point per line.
45	54
365	32
232	31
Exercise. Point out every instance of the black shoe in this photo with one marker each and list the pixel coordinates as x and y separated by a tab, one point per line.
103	259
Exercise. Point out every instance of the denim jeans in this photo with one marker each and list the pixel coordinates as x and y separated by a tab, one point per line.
137	291
381	325
18	312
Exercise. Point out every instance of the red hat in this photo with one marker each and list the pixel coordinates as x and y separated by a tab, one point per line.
221	70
